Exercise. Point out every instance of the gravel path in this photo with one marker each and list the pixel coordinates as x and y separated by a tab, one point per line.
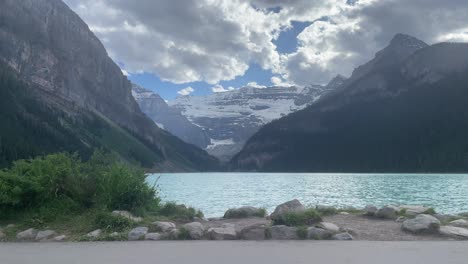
372	229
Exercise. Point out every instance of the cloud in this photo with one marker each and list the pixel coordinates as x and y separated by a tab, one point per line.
278	81
255	85
186	91
216	40
220	89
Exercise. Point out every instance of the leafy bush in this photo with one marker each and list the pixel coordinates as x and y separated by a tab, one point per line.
110	222
302	232
63	184
305	218
179	212
430	211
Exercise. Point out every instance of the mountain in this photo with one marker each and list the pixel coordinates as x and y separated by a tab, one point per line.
71	96
228	119
404	111
169	118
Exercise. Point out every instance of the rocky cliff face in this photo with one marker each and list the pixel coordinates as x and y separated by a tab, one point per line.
169	118
229	119
402	112
53	50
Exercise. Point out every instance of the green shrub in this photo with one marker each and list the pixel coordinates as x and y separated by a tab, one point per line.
110	222
179	212
302	232
183	234
307	217
430	211
62	184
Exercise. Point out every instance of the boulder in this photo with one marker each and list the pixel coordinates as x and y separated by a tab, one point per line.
422	224
60	238
387	212
329	226
370	210
400	219
459	223
164	227
343	236
444	218
318	233
244	212
10	226
29	234
173	234
282	232
114	234
128	215
94	234
254	232
195	230
453	231
45	235
226	232
137	233
413	210
153	236
293	206
343	213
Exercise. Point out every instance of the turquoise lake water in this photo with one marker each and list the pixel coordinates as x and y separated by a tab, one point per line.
214	193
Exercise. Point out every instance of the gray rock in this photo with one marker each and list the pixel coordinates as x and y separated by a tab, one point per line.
343	213
60	238
370	210
244	212
173	234
128	215
282	232
29	234
318	233
164	227
293	206
10	226
455	232
343	236
45	235
459	223
114	234
445	218
387	212
400	219
94	234
422	224
195	229
153	236
329	226
254	232
227	232
137	233
2	235
413	210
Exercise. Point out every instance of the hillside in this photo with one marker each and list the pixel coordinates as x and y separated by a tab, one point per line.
405	111
83	98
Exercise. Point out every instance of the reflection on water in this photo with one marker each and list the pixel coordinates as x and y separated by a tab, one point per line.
213	193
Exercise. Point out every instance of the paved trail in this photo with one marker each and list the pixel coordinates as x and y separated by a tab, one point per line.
237	252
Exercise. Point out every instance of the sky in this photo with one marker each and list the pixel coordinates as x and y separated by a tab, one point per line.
197	47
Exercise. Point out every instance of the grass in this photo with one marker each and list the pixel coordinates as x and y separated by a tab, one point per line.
302	232
305	218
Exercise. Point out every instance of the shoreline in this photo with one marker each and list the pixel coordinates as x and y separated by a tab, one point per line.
289	221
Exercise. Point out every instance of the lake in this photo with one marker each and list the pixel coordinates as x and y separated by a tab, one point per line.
214	193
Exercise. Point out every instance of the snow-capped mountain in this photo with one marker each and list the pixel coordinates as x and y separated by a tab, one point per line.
231	118
169	118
